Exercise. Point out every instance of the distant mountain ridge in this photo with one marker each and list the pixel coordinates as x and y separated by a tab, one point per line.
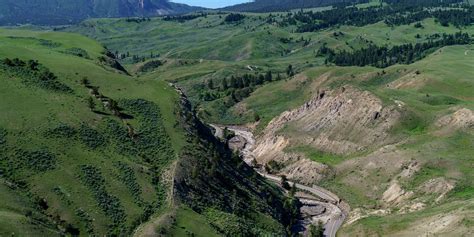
283	5
57	12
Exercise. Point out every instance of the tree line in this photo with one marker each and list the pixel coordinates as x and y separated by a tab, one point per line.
234	17
383	56
395	13
184	18
237	88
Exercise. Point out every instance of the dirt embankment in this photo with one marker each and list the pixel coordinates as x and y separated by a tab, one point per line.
341	121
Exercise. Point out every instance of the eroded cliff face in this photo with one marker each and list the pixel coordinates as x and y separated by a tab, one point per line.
342	121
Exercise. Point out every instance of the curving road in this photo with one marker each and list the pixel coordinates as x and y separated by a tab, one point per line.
336	216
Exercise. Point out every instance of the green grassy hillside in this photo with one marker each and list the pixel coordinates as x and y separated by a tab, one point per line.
79	162
87	149
88	145
192	52
204	51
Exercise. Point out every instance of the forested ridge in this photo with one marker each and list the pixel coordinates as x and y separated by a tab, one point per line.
383	56
395	13
284	5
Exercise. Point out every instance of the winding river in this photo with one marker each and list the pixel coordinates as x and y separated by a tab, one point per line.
332	215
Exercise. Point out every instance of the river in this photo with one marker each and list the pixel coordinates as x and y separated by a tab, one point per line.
332	215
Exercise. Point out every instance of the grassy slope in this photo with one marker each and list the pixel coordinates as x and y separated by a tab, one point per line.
13	210
445	76
28	112
208	49
188	221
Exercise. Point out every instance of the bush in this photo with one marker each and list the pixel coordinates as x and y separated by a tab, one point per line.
152	143
3	136
127	176
90	137
93	179
33	73
150	66
49	43
87	219
61	131
39	160
77	52
234	17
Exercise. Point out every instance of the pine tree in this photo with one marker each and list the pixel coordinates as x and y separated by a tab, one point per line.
224	84
233	82
268	76
316	230
210	84
284	182
289	71
91	103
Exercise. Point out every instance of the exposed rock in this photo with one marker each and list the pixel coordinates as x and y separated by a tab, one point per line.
237	143
437	186
360	213
462	119
334	121
312	210
417	206
305	171
395	194
409	169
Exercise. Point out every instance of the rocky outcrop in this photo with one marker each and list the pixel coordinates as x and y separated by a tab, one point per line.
396	194
462	119
341	121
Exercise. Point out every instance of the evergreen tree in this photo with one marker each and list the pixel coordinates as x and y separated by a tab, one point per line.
224	84
210	84
289	71
316	230
233	82
284	182
268	76
91	103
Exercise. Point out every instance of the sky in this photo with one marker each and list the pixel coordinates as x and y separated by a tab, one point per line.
211	3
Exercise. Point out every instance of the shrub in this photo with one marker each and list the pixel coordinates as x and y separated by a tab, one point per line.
77	52
33	73
48	43
87	219
3	136
234	17
127	176
93	179
61	131
150	66
90	137
39	160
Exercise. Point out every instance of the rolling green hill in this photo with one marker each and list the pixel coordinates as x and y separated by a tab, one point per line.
106	135
423	147
87	149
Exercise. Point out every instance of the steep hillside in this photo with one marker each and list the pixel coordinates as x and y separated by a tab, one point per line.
54	12
87	149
